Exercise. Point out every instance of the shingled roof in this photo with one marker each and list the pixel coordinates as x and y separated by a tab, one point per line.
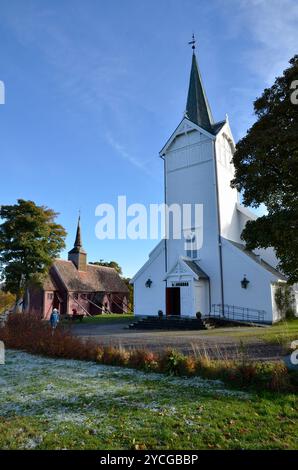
49	283
94	279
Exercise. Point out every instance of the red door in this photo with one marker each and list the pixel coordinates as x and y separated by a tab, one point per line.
173	301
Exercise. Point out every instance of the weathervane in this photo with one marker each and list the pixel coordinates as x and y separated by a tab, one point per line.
193	42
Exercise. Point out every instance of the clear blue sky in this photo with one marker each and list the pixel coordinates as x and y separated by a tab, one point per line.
95	88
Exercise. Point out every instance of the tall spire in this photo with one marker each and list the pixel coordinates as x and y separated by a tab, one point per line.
197	106
78	255
78	240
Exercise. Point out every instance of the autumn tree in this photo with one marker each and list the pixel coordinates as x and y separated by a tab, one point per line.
6	300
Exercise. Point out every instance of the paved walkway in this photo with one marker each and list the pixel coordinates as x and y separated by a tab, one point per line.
217	345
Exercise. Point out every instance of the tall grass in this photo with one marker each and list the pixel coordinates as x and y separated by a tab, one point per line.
29	333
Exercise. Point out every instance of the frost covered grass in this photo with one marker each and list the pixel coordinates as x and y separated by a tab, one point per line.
27	332
50	403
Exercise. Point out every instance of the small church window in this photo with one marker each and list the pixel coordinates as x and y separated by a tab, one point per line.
193	254
191	244
50	296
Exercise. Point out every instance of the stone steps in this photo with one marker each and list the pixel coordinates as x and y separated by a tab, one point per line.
169	323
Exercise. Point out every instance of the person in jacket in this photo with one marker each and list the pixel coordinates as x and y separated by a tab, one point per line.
54	318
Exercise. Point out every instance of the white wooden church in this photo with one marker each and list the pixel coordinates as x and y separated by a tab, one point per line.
222	277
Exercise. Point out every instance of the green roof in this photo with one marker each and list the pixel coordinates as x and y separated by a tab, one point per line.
197	107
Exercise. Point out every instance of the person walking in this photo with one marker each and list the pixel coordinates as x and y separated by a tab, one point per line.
54	318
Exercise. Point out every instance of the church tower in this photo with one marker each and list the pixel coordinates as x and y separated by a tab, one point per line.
191	178
202	268
78	255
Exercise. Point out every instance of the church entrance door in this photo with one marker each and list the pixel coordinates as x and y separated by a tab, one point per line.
56	303
173	301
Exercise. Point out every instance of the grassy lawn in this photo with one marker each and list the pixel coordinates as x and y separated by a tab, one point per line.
282	332
53	404
107	318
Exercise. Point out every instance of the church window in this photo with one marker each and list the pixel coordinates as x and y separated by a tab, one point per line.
50	296
193	254
191	245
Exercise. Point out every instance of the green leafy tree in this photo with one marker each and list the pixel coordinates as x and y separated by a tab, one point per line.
109	264
285	301
29	241
130	295
266	163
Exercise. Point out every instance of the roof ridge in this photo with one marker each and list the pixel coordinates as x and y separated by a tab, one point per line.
100	279
102	267
257	259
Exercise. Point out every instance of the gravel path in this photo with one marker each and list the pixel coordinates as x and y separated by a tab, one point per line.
219	345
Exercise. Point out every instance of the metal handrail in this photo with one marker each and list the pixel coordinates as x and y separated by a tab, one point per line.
234	312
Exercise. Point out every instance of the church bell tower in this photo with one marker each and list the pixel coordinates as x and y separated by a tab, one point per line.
78	255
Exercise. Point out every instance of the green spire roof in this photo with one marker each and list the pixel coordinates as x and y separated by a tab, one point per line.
197	106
